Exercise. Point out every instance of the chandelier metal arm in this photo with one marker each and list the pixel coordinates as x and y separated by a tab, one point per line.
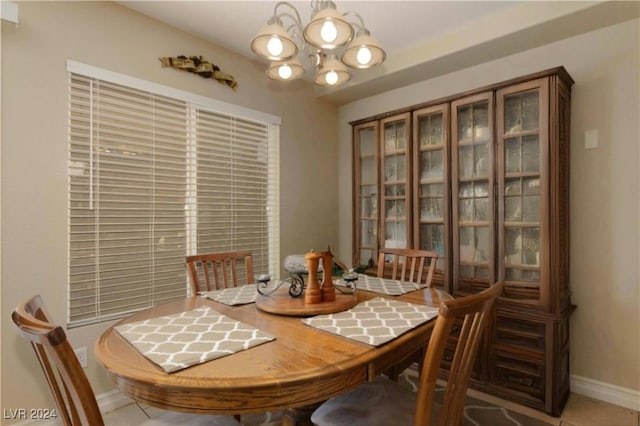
296	18
360	26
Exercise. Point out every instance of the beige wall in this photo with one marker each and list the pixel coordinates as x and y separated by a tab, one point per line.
605	342
34	154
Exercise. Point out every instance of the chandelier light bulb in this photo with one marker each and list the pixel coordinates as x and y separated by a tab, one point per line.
275	47
284	72
364	55
331	77
329	32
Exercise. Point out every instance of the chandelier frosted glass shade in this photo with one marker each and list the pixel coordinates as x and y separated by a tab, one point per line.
274	43
363	52
333	73
285	70
328	29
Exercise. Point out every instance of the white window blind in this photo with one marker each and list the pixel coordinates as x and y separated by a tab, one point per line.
154	178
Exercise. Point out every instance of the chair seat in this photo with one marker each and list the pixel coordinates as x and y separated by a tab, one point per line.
378	403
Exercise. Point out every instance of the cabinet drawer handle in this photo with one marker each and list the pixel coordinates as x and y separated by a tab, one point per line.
527	381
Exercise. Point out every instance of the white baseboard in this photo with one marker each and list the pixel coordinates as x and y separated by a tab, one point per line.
606	392
107	402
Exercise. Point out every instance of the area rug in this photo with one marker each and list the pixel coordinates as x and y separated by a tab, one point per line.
476	411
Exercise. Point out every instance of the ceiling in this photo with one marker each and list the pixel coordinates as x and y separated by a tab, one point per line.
422	39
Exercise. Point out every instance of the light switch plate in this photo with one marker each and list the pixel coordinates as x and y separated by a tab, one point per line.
591	139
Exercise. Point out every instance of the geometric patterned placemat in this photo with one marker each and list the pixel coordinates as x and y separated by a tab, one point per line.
383	285
375	321
235	295
188	338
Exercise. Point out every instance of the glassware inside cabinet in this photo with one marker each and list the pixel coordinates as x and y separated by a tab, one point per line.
521	113
432	238
368	206
512	115
512	155
401	135
396	235
481	163
368	235
465	123
530	154
431	201
394	190
367	256
367	142
474	252
395	209
395	136
430	129
465	162
368	175
480	122
394	168
530	111
522	246
431	164
431	209
531	246
389	137
431	190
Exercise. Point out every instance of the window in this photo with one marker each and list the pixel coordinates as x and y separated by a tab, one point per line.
157	174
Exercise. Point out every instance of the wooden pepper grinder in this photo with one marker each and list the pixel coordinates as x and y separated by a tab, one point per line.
328	290
312	293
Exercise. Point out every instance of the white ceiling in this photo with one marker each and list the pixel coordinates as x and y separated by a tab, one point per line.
422	38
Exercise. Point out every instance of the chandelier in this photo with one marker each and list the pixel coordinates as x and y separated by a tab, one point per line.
319	44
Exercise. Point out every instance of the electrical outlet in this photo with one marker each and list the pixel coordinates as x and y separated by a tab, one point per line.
81	353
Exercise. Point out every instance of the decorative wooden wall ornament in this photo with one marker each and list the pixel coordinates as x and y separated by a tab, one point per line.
201	67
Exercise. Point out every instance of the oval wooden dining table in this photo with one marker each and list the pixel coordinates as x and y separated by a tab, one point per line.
302	367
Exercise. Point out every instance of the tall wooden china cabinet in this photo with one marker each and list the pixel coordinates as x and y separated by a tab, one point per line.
482	178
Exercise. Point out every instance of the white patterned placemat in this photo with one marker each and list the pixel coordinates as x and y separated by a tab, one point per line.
188	338
383	285
240	295
375	321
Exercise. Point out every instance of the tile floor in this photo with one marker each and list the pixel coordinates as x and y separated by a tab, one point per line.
579	411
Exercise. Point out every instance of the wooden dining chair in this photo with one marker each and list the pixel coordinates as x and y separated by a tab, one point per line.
67	381
215	271
383	402
412	265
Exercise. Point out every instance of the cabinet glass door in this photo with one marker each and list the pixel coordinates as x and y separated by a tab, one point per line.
366	193
395	167
431	193
522	148
472	192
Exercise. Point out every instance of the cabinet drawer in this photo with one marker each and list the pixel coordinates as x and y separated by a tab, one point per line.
520	333
521	375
